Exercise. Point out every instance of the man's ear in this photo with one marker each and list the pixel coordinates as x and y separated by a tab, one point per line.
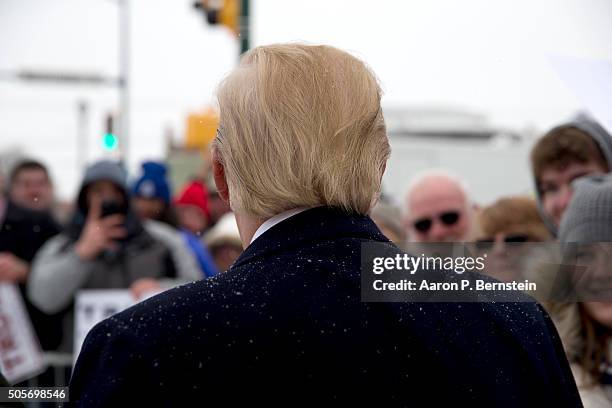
382	173
219	175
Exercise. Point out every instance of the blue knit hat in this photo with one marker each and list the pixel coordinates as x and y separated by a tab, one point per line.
153	182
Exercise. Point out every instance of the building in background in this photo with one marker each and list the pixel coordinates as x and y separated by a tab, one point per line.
492	158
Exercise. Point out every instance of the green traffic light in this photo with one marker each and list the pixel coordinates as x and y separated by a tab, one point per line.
109	142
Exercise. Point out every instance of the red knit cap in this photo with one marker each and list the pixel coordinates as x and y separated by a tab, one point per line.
195	193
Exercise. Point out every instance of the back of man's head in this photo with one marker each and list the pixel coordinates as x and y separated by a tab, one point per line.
301	126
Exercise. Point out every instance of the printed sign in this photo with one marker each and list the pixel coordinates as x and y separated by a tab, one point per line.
20	353
93	306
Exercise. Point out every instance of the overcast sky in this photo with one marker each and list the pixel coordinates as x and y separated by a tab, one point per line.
485	56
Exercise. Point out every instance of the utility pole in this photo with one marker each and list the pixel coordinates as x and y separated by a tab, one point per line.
122	82
124	79
245	25
82	145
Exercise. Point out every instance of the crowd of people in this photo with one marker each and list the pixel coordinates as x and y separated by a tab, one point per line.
131	233
117	235
571	206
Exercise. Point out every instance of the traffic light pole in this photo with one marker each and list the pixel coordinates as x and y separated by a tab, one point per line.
245	25
234	14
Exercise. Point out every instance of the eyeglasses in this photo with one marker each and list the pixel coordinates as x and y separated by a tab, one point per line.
447	218
509	239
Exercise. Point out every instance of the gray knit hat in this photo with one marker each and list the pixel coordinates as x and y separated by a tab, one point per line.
588	218
103	170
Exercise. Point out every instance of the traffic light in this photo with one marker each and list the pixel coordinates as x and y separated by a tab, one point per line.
224	12
109	140
201	129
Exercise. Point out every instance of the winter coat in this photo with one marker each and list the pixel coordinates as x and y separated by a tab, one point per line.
285	325
149	250
22	233
58	273
201	253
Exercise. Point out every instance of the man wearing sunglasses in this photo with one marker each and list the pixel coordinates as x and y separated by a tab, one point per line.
438	208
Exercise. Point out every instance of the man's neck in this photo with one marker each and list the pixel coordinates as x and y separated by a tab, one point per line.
247	225
251	228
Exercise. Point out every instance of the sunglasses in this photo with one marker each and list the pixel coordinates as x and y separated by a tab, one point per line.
447	218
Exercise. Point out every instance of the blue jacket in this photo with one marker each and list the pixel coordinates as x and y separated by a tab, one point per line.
204	258
285	326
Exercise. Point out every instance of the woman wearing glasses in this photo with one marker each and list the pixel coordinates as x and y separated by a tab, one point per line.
506	226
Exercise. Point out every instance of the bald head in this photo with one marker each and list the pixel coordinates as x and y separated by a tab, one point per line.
438	208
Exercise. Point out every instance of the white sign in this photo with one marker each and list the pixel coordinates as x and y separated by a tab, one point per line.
93	306
20	353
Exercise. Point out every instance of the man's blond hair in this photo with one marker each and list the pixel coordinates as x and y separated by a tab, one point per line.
301	126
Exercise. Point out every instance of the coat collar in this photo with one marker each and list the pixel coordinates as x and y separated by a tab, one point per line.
310	226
